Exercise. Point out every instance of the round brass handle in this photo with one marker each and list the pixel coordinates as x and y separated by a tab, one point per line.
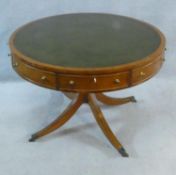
43	78
71	82
15	64
95	80
142	74
117	81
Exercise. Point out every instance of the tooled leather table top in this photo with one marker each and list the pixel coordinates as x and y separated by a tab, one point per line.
86	40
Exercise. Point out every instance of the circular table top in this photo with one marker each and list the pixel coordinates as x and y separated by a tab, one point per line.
86	40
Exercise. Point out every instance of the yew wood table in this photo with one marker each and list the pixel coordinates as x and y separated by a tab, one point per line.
84	55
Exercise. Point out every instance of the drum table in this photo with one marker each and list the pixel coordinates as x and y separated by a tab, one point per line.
84	55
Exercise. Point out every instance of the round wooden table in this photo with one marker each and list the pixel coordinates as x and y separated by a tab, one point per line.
84	55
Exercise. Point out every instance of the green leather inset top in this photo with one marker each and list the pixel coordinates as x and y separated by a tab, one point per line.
87	40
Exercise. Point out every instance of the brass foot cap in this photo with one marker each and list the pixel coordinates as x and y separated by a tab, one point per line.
123	152
133	99
33	138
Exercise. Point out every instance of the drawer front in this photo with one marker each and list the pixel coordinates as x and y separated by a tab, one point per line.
37	76
143	73
92	83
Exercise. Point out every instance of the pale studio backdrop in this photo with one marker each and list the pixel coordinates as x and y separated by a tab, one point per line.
146	129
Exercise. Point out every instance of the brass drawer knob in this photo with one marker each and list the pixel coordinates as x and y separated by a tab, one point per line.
71	82
95	80
43	78
15	64
117	81
142	74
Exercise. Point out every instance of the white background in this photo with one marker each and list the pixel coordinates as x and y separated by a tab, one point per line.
146	129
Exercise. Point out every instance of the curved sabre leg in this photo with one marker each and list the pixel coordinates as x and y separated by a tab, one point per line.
62	119
104	125
114	101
